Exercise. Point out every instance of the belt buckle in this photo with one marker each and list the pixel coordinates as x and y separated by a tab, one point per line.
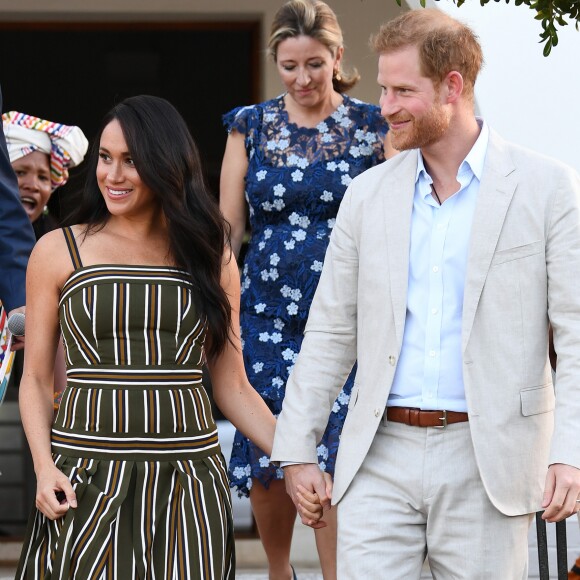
443	421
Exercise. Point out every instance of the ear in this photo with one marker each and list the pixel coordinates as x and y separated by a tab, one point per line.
452	86
338	57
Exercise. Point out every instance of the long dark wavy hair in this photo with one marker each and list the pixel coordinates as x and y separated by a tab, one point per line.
167	161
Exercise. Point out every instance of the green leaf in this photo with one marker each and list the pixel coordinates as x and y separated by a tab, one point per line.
547	48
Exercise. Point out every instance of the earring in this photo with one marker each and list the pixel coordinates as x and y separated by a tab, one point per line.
337	75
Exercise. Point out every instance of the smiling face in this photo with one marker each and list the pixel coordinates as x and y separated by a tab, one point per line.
306	67
33	173
121	186
410	102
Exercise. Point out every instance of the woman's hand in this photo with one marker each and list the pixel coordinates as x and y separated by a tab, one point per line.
54	493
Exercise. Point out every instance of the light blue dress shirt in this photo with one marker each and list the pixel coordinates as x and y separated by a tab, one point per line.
430	370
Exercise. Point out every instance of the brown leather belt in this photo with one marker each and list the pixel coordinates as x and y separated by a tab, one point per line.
419	418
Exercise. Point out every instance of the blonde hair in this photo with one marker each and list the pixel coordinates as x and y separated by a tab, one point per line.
444	44
317	20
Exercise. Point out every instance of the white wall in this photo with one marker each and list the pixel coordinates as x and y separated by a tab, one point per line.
530	99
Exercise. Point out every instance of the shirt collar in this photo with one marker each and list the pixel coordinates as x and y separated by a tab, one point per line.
473	162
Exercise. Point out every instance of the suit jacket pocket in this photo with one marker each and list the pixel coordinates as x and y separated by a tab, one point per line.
518	252
537	400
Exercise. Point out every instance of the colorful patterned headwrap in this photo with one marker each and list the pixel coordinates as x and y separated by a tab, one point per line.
66	145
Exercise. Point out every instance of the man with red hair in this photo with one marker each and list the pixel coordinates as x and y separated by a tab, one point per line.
445	267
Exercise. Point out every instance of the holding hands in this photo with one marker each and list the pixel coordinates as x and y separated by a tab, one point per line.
310	490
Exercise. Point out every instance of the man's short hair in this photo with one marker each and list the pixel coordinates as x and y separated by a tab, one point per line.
444	44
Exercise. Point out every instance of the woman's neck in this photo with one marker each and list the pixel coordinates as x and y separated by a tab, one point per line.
311	116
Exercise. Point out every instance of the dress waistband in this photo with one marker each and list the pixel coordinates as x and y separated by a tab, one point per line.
134	421
126	377
158	446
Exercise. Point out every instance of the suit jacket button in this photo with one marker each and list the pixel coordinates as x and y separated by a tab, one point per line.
392	360
377	412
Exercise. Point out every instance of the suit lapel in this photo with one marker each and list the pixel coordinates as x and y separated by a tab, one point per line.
398	207
498	184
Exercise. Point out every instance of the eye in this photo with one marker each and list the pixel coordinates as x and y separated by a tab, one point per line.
129	161
44	178
288	67
20	172
104	156
316	64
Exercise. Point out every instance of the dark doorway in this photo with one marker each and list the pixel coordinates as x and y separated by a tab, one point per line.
74	73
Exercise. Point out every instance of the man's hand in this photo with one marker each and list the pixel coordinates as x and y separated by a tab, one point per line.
561	492
307	485
17	341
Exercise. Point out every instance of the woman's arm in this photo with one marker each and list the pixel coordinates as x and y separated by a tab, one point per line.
46	271
233	394
59	368
232	185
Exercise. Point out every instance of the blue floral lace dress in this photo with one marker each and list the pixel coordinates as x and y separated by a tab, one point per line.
295	182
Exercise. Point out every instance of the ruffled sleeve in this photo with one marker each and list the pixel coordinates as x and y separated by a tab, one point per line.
246	121
240	119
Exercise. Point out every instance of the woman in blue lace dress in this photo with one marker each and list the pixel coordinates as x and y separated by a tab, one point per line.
288	161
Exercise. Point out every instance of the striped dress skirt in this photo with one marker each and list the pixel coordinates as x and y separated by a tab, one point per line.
148	507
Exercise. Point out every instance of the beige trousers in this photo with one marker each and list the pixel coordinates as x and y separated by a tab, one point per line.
419	493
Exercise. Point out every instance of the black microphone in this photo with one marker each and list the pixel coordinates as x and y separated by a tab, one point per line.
15	324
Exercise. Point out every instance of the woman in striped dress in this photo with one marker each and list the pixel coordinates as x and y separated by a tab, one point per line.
131	482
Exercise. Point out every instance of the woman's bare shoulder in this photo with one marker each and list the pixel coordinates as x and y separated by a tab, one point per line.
51	258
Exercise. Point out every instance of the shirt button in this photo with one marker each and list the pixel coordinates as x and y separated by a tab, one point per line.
435	268
434	310
392	360
432	353
377	412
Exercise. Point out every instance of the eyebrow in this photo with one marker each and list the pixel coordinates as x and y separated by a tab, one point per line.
29	166
105	150
287	60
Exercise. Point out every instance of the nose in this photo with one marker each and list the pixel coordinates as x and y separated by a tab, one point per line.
115	172
29	182
303	77
388	103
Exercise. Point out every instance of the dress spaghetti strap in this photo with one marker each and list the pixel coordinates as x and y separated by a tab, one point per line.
72	247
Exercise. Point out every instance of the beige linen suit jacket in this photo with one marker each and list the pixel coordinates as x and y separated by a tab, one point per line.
523	271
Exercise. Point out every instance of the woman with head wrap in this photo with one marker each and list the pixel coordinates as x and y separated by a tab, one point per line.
41	153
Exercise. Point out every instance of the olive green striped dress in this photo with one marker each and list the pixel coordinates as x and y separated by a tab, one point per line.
135	435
